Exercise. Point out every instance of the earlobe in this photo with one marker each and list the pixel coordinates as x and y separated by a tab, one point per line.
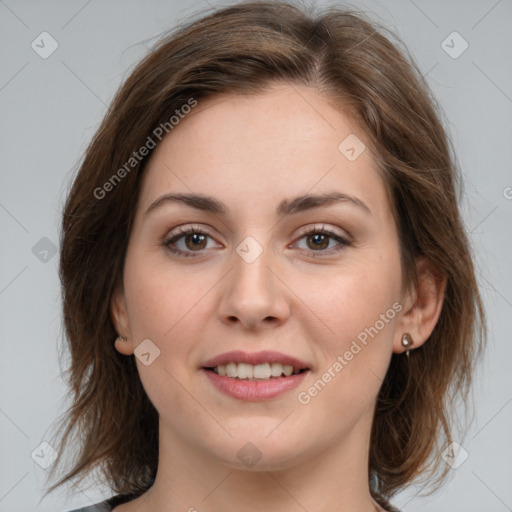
123	346
424	308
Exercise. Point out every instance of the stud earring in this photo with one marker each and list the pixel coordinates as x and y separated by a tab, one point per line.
121	338
407	342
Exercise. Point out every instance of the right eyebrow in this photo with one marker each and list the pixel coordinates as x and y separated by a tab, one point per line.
197	201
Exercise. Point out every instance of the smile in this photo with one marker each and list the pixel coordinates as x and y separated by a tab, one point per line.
254	376
258	372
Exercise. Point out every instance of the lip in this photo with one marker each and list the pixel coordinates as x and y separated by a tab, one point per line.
254	358
254	391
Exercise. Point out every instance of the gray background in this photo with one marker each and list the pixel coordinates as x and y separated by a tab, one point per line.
50	109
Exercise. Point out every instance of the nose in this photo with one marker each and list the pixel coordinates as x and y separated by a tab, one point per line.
254	294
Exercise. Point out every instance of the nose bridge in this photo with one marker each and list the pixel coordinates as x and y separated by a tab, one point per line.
251	293
251	274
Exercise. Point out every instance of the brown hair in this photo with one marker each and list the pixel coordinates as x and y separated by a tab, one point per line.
242	49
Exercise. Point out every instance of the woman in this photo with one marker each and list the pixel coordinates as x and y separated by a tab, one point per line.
268	291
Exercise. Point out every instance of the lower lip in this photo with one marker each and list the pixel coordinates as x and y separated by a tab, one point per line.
254	390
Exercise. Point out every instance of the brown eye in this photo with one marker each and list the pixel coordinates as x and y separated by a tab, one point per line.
197	241
187	242
318	241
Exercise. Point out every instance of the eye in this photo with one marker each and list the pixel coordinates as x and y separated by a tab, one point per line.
318	241
187	241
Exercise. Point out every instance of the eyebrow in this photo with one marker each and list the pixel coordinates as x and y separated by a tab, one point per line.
287	206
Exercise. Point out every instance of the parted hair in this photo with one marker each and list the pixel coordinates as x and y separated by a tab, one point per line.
110	425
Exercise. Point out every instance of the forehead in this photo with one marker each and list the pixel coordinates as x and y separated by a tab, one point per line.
258	149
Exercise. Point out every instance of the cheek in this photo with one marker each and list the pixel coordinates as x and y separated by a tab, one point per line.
162	300
354	298
165	307
356	310
361	318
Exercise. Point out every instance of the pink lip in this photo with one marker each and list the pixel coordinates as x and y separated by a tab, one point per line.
265	356
253	391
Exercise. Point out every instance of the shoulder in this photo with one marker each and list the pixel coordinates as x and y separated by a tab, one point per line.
98	507
107	505
389	508
384	503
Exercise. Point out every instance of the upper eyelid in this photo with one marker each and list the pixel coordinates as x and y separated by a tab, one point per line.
180	231
304	230
322	227
340	238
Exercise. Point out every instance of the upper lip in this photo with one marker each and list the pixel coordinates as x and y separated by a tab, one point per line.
254	358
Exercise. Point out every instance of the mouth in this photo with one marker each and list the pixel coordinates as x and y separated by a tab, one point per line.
263	365
255	376
258	372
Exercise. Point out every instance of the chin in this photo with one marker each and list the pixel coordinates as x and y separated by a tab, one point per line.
262	454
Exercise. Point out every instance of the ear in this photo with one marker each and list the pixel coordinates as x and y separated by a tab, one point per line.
119	316
422	306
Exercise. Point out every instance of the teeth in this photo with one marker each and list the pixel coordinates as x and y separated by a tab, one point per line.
288	370
245	371
262	371
276	369
232	370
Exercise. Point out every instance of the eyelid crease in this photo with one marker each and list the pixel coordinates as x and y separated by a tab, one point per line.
320	227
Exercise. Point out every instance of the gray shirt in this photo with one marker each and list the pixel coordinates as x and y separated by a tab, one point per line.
107	505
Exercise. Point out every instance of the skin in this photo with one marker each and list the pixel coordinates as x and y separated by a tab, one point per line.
251	153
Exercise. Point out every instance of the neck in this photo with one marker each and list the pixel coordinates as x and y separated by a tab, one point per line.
335	478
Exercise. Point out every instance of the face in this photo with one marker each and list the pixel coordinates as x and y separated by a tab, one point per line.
308	286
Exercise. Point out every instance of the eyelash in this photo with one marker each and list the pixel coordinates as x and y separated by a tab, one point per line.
183	232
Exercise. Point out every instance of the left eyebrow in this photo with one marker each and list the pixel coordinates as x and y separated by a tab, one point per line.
286	207
308	201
